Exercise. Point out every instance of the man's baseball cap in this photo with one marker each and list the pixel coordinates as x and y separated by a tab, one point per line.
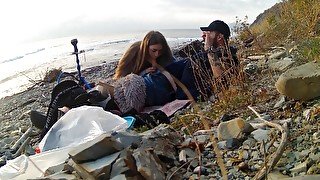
218	26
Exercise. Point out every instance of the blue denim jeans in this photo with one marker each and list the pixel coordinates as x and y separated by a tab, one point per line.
183	71
158	89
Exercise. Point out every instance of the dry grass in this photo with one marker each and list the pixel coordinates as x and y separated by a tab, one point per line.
297	21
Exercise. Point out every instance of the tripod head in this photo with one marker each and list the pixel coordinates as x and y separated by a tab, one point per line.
74	42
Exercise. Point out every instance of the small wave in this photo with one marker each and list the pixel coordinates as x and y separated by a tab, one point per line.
12	59
33	52
91	49
115	42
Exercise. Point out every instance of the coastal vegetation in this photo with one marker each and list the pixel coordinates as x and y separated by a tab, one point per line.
291	23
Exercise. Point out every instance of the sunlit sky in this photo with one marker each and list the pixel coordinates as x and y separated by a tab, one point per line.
23	20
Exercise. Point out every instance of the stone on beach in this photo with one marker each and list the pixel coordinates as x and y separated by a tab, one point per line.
149	165
233	129
300	83
101	146
97	168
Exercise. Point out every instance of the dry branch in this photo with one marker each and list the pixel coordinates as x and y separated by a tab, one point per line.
220	162
274	158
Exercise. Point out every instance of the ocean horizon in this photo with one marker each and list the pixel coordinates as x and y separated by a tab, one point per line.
29	62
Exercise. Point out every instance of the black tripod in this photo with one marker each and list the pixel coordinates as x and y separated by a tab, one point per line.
82	81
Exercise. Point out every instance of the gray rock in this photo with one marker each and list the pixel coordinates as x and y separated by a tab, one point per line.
200	169
3	160
233	143
202	139
124	165
183	156
251	68
316	136
281	65
54	169
127	138
280	102
149	165
7	140
255	155
302	167
314	169
222	144
101	146
187	175
303	154
275	175
249	142
243	154
163	130
60	175
160	146
301	83
190	152
93	169
233	129
278	55
257	57
261	135
306	177
315	156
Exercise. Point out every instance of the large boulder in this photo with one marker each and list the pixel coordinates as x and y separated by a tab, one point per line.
301	83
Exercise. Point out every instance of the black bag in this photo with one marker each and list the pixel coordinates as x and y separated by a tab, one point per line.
66	93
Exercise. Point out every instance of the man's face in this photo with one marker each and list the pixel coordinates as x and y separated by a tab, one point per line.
210	37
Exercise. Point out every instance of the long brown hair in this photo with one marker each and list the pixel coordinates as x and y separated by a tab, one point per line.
152	38
127	63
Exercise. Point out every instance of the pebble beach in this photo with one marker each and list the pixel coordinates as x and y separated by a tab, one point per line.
242	161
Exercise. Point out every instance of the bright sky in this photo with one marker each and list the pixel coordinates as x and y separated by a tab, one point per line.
39	19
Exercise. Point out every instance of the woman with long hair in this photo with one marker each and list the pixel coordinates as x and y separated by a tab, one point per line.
142	56
127	62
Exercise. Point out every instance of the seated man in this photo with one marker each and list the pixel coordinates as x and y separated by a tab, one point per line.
217	61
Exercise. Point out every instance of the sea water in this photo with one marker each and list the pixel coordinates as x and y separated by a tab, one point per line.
25	64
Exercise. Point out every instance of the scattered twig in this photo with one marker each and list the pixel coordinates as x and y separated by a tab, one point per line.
22	147
274	158
196	143
29	78
213	140
265	156
217	151
220	162
169	177
22	138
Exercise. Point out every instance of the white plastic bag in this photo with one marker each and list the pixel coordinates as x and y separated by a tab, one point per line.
23	167
77	126
80	125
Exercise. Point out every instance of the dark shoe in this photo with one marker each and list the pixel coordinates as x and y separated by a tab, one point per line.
95	96
38	119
